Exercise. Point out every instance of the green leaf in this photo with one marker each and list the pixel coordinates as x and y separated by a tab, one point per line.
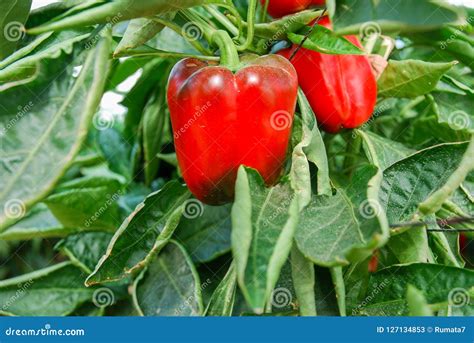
334	230
411	78
113	12
410	181
26	62
54	291
38	222
85	249
302	272
137	98
88	203
382	152
13	15
263	224
438	283
154	119
223	298
169	286
368	16
310	148
139	31
328	229
142	234
324	40
204	230
43	135
434	202
417	303
455	110
118	152
409	246
277	29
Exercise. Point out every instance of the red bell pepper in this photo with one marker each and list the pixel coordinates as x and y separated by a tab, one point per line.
230	114
280	8
342	89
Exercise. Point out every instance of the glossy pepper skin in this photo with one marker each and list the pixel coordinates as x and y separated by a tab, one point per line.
342	89
222	119
280	8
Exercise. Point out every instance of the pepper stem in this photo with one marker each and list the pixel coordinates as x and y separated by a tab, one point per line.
229	54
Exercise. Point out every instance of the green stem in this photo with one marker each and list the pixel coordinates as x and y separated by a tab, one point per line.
263	13
339	287
250	25
229	54
221	18
179	30
206	28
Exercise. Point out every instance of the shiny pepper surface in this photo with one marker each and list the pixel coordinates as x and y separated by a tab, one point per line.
342	89
280	8
222	119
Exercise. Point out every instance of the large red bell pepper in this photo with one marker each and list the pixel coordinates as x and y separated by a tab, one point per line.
223	118
342	89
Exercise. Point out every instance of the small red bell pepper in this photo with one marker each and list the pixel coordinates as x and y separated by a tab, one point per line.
280	8
342	89
230	114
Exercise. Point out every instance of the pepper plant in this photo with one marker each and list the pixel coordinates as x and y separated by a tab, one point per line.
319	162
